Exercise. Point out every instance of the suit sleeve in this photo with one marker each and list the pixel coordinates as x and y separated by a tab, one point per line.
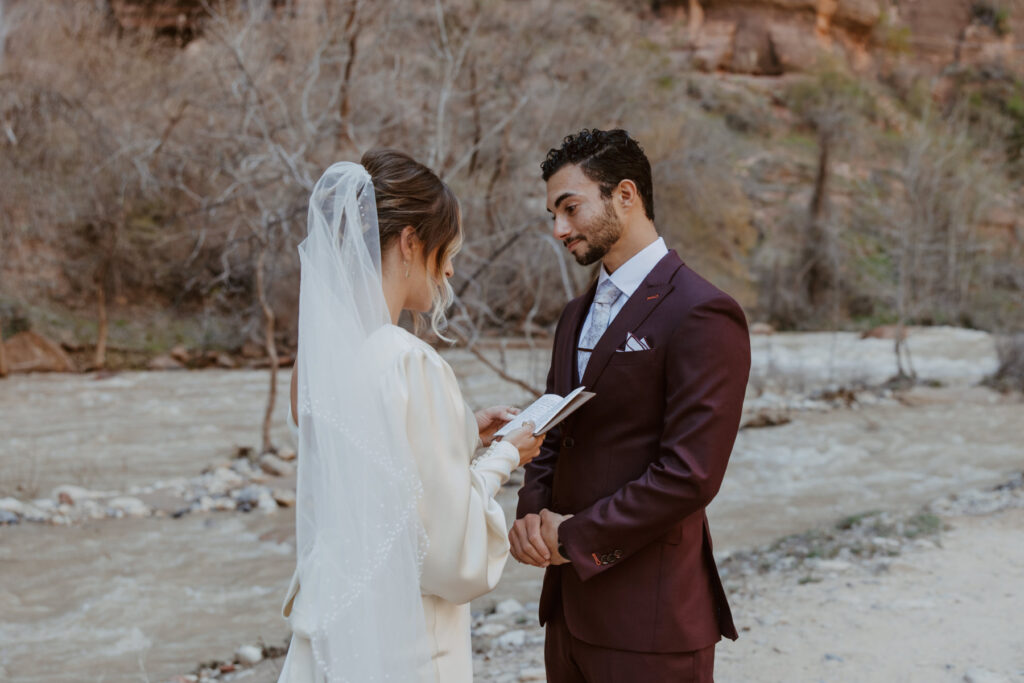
539	473
465	525
706	366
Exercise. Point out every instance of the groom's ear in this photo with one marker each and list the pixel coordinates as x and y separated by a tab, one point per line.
628	195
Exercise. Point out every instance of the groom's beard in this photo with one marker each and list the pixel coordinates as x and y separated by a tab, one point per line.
600	235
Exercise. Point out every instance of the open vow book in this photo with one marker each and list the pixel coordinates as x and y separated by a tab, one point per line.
548	410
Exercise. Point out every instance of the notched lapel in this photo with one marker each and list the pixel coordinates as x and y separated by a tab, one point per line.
567	381
648	296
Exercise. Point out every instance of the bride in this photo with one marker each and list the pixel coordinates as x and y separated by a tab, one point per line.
397	528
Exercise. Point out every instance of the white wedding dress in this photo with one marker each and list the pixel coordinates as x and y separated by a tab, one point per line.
465	526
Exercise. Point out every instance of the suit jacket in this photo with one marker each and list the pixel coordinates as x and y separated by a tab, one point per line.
638	464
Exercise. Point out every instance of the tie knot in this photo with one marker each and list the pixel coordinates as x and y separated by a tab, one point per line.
607	293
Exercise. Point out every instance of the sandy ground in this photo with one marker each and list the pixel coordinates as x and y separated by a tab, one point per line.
929	615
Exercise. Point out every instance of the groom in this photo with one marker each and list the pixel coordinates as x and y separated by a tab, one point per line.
614	505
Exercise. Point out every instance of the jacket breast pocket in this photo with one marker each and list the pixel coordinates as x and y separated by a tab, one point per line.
633	358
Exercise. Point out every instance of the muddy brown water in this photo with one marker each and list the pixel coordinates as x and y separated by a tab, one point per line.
147	599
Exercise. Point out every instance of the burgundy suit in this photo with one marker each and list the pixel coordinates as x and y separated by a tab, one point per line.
639	463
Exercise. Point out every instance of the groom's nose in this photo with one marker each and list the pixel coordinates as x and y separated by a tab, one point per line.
560	228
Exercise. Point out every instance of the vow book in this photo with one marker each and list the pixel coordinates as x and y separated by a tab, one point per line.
548	410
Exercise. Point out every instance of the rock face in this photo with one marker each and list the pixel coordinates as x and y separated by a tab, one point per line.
771	37
30	352
176	16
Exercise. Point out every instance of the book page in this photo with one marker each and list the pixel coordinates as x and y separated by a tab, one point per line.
537	412
568	406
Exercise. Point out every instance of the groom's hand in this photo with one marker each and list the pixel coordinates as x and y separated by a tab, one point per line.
527	543
549	523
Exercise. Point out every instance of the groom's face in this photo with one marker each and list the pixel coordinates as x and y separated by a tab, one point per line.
584	221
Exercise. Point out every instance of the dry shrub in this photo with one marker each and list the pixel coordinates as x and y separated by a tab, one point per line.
1010	375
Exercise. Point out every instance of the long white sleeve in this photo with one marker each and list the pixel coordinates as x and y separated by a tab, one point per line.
468	543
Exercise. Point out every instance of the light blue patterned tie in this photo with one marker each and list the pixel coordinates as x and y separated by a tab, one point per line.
606	296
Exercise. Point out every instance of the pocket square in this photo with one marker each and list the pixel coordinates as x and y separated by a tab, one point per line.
634	343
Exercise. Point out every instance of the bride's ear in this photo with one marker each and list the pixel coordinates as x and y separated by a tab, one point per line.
407	243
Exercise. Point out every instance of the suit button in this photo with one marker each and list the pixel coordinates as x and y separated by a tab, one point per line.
568	442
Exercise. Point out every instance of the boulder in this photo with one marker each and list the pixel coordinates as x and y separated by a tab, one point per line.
249	654
31	352
72	495
284	497
271	464
165	362
132	507
712	49
795	48
180	354
858	14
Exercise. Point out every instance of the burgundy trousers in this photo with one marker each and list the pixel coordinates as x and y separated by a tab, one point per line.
570	660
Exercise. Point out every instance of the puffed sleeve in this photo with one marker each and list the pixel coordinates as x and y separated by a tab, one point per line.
465	525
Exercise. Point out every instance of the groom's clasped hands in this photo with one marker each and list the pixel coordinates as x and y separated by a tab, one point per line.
534	539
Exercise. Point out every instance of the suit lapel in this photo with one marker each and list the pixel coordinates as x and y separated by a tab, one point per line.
647	297
567	380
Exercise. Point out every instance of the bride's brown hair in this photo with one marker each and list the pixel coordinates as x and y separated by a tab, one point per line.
409	193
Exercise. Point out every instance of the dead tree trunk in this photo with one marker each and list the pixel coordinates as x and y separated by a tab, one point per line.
99	360
3	356
818	276
269	327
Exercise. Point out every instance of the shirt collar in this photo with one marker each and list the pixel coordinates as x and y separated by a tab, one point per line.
629	276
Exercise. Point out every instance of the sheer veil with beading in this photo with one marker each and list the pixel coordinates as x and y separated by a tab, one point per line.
360	541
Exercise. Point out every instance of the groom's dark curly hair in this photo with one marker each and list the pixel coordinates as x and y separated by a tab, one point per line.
607	157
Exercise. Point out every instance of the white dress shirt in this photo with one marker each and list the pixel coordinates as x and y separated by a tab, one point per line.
628	277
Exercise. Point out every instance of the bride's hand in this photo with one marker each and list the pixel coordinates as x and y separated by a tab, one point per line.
524	440
490	420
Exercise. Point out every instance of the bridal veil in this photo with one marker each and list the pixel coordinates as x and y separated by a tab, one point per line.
360	541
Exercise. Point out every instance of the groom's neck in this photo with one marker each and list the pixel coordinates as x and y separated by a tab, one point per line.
635	238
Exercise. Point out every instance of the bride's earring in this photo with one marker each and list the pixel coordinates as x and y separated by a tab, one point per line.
406	269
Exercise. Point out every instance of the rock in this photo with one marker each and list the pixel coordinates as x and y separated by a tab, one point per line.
165	15
286	454
271	464
284	497
534	674
714	44
886	332
224	360
72	495
489	630
133	507
861	14
266	502
249	654
509	606
180	354
833	565
12	505
31	352
165	363
512	640
252	350
794	47
222	480
7	518
979	675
